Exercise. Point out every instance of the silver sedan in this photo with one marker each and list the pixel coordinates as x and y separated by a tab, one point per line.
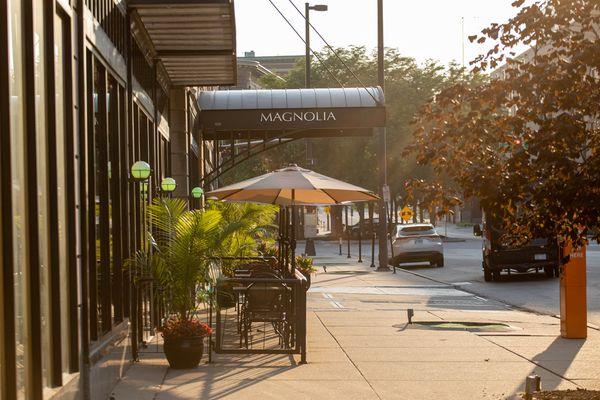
417	243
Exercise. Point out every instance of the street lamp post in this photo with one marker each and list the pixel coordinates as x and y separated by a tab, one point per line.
307	8
197	193
140	173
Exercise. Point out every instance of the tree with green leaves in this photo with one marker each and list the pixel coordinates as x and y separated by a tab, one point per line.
409	85
526	143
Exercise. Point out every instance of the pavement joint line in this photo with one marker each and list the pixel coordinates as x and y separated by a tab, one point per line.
159	387
502	334
336	304
347	356
531	361
425	277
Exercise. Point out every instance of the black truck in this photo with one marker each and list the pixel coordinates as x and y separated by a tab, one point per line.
538	255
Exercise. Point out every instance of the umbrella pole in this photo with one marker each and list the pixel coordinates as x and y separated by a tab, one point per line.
293	238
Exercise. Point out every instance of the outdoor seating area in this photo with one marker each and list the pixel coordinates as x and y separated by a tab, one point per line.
228	272
267	296
261	309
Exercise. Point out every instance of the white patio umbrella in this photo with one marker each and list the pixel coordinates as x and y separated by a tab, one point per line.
293	186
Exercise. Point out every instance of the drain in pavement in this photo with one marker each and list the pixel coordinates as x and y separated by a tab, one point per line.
459	326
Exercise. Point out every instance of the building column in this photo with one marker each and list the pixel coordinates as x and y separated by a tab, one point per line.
180	141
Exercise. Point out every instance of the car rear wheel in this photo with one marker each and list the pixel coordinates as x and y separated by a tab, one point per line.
496	275
549	272
440	262
487	275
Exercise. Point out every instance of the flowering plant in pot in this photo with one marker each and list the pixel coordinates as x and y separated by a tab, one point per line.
183	341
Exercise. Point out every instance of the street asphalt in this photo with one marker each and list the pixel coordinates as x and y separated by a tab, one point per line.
462	268
530	291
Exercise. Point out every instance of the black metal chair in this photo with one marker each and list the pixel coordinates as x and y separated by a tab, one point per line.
251	269
267	302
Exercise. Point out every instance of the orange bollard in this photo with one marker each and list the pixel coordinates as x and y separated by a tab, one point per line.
573	306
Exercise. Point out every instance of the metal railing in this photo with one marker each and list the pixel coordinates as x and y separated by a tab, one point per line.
111	19
150	306
279	304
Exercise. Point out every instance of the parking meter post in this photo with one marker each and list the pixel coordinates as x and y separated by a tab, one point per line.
392	252
360	226
371	225
373	250
340	243
347	231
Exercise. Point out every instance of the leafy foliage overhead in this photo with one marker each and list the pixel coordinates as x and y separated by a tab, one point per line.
408	86
526	143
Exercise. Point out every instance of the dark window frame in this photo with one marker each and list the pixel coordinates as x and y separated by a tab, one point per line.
8	377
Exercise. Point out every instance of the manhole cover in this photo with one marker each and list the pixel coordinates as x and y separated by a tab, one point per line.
461	326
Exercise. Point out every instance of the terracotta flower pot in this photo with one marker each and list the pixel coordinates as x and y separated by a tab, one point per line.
184	353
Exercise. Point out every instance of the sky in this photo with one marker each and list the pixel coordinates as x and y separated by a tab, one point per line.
423	29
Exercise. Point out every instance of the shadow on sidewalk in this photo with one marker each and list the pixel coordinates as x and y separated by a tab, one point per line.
227	375
557	358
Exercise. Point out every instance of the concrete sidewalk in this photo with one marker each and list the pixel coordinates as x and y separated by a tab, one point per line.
360	346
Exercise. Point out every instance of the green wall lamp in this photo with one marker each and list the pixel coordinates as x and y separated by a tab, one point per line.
197	192
168	185
140	170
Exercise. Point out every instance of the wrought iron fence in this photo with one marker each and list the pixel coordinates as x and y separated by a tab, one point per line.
150	308
260	310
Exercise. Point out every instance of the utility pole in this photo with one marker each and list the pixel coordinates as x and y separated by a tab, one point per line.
462	38
382	151
307	42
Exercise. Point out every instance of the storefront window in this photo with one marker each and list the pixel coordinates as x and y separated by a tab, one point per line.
113	179
17	145
99	185
105	109
42	186
61	187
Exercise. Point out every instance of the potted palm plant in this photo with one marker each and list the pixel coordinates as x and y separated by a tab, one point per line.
181	242
184	245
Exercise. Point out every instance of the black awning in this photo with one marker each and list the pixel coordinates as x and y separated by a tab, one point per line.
249	114
193	39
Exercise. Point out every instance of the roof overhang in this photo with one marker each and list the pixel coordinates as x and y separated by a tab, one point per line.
256	114
193	39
